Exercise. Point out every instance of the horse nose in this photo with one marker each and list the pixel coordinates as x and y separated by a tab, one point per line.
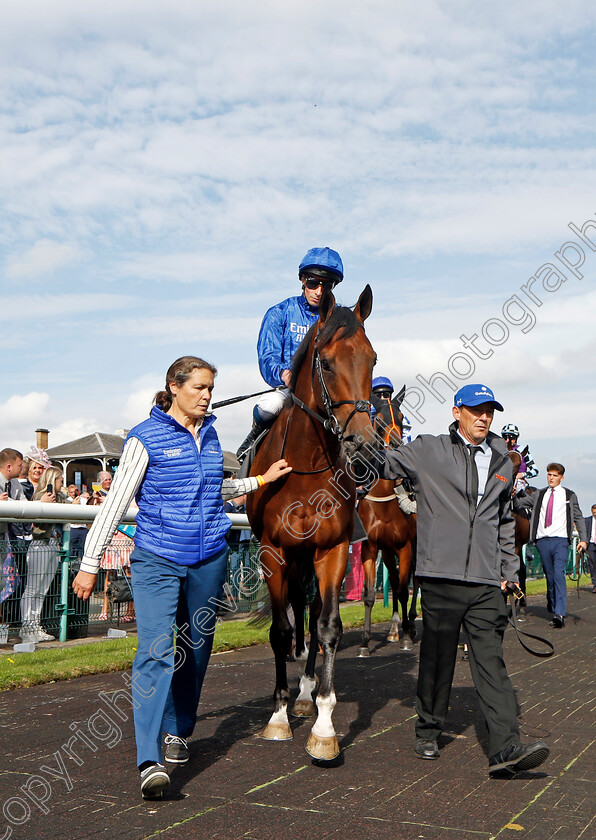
351	445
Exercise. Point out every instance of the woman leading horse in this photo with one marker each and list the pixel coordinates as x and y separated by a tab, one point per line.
307	521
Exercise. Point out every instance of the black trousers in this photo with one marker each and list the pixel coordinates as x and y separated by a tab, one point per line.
447	605
591	558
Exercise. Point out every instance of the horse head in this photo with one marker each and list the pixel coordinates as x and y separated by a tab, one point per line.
389	419
336	385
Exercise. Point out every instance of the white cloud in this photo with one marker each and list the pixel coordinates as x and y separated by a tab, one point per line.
441	148
43	258
23	408
138	405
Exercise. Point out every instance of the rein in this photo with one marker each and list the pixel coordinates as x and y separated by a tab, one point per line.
512	620
283	447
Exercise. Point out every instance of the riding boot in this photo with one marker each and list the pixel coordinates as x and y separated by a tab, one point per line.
405	503
258	426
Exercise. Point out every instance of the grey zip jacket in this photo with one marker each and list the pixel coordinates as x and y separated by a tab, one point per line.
456	539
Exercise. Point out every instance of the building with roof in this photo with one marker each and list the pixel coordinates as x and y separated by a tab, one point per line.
83	458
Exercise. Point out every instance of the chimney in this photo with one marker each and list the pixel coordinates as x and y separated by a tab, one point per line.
42	438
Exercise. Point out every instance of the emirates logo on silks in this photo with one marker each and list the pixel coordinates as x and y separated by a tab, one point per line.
501	478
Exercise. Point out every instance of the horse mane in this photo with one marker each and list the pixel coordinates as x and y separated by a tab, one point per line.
341	317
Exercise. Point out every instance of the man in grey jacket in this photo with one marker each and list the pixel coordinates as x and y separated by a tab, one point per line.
465	557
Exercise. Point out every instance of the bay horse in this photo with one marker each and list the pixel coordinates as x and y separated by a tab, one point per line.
304	521
392	532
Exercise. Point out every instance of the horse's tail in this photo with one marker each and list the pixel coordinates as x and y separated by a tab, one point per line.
261	617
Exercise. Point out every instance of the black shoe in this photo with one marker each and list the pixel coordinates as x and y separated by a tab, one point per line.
426	748
154	780
557	621
519	757
177	751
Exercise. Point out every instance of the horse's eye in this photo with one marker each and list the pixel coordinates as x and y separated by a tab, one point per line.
325	364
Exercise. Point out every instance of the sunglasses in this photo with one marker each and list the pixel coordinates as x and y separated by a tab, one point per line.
509	437
383	394
314	283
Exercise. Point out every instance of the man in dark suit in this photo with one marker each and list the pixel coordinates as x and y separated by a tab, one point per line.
463	482
554	512
591	550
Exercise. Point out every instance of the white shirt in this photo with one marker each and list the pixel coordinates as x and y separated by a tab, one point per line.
592	534
129	475
559	523
483	460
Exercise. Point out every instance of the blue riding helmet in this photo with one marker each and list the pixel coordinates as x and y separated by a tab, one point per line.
382	382
323	262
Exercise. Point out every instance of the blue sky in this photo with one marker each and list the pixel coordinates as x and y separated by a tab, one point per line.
164	168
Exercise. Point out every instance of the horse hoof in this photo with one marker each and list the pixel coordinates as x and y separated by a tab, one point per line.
407	645
322	748
277	732
303	708
393	637
363	652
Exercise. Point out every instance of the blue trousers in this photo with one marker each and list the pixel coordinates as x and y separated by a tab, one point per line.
553	553
167	678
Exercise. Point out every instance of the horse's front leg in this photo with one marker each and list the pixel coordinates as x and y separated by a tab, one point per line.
280	636
330	568
369	554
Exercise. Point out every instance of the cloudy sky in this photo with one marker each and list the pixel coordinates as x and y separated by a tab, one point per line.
164	168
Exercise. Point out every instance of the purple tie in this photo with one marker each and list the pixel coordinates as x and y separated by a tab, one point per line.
548	517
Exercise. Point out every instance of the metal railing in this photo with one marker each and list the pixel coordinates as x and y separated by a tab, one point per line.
36	578
36	575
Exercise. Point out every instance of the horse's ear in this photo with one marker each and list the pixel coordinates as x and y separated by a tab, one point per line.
326	305
364	306
399	398
515	459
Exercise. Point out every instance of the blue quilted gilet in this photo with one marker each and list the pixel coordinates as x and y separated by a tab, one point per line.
181	514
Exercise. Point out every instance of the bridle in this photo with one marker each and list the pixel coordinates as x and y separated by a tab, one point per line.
330	423
385	431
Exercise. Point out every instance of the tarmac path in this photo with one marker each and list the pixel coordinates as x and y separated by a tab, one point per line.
237	785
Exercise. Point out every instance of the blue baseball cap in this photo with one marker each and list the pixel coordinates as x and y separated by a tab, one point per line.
471	395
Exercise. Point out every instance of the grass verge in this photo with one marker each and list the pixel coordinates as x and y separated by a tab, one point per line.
48	665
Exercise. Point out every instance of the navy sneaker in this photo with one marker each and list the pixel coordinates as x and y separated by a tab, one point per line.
176	749
154	780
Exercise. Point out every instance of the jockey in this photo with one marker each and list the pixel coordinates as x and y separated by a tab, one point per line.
283	328
382	389
527	469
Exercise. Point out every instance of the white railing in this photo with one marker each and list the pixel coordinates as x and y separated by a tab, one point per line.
17	510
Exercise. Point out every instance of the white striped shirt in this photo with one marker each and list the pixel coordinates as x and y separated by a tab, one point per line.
129	475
